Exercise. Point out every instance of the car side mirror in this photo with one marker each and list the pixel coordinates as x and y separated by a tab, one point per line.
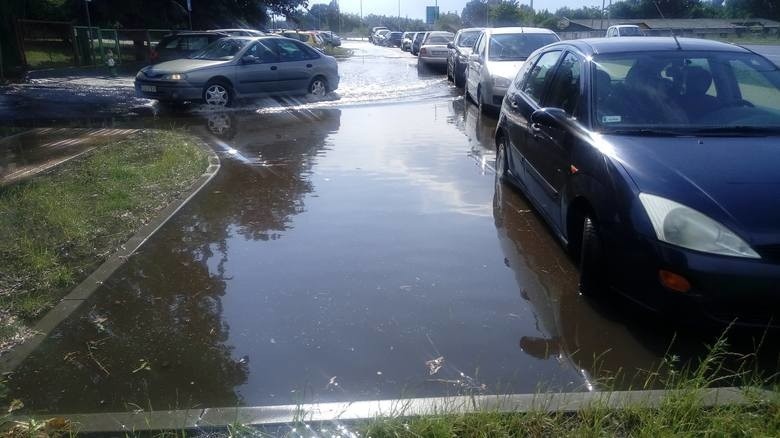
548	117
450	46
250	59
474	57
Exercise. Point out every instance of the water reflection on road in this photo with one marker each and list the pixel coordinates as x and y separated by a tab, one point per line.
341	253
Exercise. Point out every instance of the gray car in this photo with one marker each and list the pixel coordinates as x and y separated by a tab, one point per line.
497	57
240	67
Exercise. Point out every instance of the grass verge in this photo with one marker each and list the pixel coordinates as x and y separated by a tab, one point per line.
338	52
682	412
58	227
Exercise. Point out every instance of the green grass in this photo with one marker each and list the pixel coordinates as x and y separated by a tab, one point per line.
338	52
57	227
52	58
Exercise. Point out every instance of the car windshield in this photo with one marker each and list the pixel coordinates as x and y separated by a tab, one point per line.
686	91
467	39
221	50
517	46
630	31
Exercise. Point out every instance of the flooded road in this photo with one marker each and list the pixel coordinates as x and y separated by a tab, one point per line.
344	252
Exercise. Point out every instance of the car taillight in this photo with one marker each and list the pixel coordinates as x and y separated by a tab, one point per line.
423	51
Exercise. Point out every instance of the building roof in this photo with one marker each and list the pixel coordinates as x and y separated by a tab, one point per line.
678	23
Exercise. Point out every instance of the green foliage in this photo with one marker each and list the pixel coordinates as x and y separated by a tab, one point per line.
449	22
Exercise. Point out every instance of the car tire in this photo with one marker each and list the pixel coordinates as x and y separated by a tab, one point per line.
318	87
218	93
480	103
457	78
502	160
592	267
449	73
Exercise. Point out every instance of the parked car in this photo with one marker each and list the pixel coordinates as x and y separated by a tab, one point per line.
182	45
380	36
310	38
406	41
237	67
498	55
418	39
654	160
624	30
393	39
374	30
330	38
240	32
459	50
433	50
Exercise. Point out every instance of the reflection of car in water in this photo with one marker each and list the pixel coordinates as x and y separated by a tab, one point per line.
576	332
249	132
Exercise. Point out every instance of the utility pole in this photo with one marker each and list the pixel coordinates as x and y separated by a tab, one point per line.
603	6
189	12
89	33
399	15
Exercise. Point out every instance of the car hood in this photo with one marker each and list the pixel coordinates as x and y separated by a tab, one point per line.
181	66
504	69
734	180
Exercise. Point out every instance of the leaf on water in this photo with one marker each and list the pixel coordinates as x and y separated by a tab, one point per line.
434	365
144	366
15	405
57	423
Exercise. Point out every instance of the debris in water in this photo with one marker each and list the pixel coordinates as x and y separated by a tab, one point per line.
332	384
434	365
144	366
15	405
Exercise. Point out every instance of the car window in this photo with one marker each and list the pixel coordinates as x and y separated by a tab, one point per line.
467	39
481	45
292	51
522	75
565	86
265	51
534	85
755	86
517	46
171	43
222	50
194	42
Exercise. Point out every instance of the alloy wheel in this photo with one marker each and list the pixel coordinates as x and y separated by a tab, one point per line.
318	88
217	95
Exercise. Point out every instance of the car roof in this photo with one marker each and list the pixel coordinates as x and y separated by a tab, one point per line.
471	29
515	30
440	32
237	29
600	46
625	25
193	33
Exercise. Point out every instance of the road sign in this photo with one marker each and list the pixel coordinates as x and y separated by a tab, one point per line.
431	14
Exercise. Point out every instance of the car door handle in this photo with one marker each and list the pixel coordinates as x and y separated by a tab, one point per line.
273	67
308	65
535	127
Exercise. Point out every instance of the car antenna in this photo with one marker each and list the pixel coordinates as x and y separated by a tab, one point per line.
676	41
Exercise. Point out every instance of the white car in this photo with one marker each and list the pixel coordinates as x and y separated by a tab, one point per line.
498	55
240	32
624	30
434	50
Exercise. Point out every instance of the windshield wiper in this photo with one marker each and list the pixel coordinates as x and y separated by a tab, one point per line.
738	130
646	132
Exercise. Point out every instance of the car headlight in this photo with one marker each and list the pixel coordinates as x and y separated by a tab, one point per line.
140	74
683	226
501	82
175	77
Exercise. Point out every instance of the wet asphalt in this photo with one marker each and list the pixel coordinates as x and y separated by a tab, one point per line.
353	249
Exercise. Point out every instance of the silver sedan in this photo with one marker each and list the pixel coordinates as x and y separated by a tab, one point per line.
241	67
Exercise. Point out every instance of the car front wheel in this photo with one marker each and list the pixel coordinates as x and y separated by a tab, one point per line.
218	94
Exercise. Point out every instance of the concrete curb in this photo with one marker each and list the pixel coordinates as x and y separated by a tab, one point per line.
71	302
116	422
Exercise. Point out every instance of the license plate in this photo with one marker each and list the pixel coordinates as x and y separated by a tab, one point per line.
149	88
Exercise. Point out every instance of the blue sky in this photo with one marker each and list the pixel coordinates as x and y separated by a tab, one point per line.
416	8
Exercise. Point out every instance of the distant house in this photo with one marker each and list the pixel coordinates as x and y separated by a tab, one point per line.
691	27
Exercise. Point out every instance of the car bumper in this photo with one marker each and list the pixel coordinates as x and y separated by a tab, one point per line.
168	91
723	289
431	60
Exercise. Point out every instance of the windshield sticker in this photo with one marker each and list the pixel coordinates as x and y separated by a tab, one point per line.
611	119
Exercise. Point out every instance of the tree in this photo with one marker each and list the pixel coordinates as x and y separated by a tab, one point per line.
475	13
449	22
506	13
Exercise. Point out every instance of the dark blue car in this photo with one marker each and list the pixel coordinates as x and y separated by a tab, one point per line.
656	161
